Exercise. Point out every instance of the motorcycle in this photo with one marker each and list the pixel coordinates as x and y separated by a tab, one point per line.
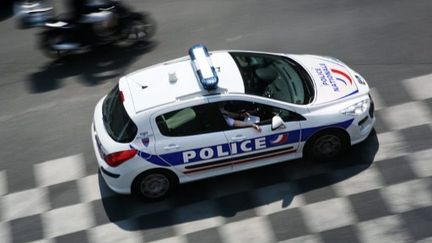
111	23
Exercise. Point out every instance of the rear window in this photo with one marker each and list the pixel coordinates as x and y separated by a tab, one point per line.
116	120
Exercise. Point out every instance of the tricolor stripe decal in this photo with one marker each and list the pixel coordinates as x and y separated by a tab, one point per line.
240	160
343	74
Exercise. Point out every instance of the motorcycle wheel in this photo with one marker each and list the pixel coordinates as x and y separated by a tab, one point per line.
141	29
48	41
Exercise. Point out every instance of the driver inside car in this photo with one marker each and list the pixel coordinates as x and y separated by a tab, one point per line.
243	119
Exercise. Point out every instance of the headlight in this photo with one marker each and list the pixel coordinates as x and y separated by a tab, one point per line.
357	109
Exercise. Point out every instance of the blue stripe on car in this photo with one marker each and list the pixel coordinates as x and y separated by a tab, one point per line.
176	158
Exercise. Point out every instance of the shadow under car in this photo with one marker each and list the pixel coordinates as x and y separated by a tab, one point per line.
234	196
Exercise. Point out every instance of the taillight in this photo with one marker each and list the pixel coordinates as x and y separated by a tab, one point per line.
121	96
117	158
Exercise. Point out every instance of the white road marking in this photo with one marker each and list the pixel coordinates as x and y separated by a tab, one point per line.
24	203
329	214
420	87
112	233
257	229
406	115
59	170
67	220
386	229
409	195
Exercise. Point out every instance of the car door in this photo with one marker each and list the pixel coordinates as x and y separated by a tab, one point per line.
192	139
252	148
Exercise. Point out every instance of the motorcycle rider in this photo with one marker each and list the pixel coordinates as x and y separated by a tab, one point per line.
90	12
76	9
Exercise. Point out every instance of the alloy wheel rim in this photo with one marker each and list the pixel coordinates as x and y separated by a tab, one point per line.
154	185
328	146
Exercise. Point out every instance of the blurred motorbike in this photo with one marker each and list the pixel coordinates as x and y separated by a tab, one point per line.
109	23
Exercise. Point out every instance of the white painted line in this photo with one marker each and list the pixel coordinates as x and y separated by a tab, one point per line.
59	170
376	97
421	162
419	88
24	203
366	180
391	145
88	188
407	196
112	233
329	214
406	115
67	220
257	230
384	229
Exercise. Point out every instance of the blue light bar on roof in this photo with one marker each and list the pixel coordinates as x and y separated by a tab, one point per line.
203	66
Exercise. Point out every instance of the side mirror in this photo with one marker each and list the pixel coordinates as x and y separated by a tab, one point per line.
277	123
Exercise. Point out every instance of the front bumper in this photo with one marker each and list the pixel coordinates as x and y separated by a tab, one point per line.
363	125
361	132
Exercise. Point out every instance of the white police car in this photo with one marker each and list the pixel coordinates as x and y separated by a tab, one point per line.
167	124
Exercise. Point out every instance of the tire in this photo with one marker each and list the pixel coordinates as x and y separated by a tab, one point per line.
326	145
142	29
154	185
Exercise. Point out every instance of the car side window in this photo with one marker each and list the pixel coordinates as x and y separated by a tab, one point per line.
288	116
191	121
264	112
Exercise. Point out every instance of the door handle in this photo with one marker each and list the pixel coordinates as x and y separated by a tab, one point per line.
238	138
171	147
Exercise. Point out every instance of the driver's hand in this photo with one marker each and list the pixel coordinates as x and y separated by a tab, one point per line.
257	127
244	114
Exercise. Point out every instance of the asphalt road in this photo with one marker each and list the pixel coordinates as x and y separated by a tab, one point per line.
46	107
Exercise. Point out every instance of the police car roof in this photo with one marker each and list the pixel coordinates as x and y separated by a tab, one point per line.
176	80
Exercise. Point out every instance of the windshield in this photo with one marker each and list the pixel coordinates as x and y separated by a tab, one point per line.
116	120
274	77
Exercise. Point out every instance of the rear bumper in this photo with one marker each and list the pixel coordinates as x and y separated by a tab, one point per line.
116	179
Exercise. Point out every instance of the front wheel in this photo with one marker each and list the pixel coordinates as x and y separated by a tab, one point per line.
154	185
327	145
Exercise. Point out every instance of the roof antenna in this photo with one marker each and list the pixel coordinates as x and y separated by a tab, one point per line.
172	77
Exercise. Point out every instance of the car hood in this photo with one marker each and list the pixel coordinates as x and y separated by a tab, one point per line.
332	79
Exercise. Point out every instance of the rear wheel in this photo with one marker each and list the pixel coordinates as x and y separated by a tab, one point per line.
326	145
154	185
141	29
